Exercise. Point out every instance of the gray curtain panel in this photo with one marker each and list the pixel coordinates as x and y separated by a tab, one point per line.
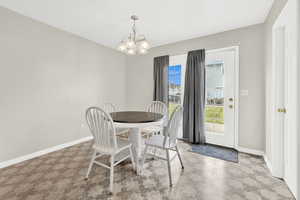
194	98
160	75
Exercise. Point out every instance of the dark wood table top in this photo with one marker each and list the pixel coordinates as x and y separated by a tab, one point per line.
135	117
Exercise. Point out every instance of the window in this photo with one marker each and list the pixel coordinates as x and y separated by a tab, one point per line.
175	87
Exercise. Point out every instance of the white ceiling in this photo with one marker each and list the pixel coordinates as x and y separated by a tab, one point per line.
161	21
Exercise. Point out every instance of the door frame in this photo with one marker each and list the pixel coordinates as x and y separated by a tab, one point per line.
287	20
236	88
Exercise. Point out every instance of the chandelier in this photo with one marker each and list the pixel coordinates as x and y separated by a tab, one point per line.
134	44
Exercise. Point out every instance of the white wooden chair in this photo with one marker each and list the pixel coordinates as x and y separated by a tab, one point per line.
156	107
105	141
109	108
167	141
121	132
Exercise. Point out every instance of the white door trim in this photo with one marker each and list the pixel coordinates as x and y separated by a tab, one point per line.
236	89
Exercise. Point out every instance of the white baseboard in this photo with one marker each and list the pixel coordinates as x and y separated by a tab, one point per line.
251	151
268	163
43	152
258	153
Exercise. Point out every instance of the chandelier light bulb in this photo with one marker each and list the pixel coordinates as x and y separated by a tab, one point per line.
143	51
130	43
131	51
122	47
144	44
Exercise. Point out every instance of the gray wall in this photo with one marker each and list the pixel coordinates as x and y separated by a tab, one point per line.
273	14
252	107
47	79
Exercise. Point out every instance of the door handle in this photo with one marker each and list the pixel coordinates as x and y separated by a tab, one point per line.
230	99
284	110
281	110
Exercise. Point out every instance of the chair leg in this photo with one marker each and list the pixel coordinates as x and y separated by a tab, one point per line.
111	183
144	157
154	149
131	157
154	153
90	165
179	156
169	167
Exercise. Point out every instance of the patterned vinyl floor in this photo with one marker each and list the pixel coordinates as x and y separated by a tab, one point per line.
60	175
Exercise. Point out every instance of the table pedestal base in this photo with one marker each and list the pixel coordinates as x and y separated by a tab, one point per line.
135	138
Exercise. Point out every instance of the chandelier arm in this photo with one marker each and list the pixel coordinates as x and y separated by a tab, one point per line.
134	30
140	40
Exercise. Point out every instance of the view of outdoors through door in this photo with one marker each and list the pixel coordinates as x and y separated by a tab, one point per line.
214	109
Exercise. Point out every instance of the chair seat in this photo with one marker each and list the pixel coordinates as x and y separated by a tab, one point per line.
158	141
121	143
151	130
120	131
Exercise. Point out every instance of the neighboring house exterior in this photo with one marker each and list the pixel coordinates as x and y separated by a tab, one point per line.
215	83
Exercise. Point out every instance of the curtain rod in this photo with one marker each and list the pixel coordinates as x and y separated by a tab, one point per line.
209	51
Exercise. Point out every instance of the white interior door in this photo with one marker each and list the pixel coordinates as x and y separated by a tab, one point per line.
284	114
220	97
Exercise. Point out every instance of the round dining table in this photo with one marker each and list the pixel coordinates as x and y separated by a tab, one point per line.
135	121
